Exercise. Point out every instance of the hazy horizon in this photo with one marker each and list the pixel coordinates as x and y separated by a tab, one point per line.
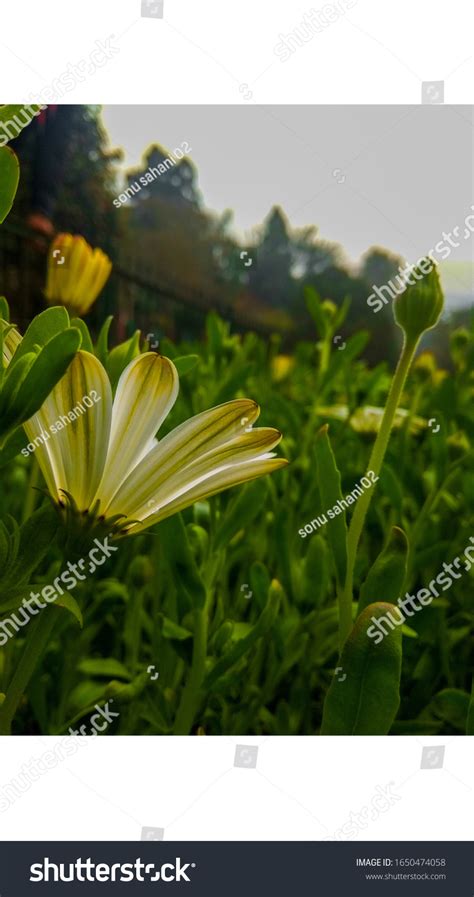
390	176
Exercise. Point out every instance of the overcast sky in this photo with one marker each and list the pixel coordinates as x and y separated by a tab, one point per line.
396	176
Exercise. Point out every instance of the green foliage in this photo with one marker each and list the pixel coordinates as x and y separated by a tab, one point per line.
9	178
22	549
365	698
470	714
119	357
228	602
385	579
329	480
39	362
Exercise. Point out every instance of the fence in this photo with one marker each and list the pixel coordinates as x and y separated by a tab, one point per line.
136	297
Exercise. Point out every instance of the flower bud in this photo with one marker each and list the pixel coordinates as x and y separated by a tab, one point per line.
140	571
76	273
424	367
222	636
460	342
419	307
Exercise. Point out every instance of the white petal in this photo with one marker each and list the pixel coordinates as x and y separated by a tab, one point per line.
72	456
216	481
181	448
146	392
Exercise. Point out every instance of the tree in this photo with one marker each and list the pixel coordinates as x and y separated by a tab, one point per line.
271	278
378	266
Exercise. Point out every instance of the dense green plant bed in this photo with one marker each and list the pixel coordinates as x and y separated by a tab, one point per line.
241	602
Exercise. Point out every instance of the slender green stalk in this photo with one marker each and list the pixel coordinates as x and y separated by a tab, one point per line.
345	615
39	631
31	491
375	464
191	694
429	505
133	628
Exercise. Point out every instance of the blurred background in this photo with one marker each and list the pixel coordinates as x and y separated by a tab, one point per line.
263	202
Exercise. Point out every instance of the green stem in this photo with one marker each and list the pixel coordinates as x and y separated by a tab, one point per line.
134	627
345	615
375	464
191	695
31	491
428	507
39	631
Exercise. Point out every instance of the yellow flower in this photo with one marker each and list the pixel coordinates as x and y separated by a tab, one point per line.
424	366
367	420
281	366
76	273
107	460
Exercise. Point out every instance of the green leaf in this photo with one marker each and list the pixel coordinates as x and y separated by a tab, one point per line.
9	177
18	116
36	536
101	348
4	309
354	346
11	411
186	363
440	448
329	484
125	694
121	356
42	329
69	603
180	558
231	384
416	727
263	625
50	365
316	572
215	333
342	313
85	694
173	631
240	630
470	713
12	446
86	343
451	705
260	581
107	666
366	701
385	579
242	509
314	306
390	485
